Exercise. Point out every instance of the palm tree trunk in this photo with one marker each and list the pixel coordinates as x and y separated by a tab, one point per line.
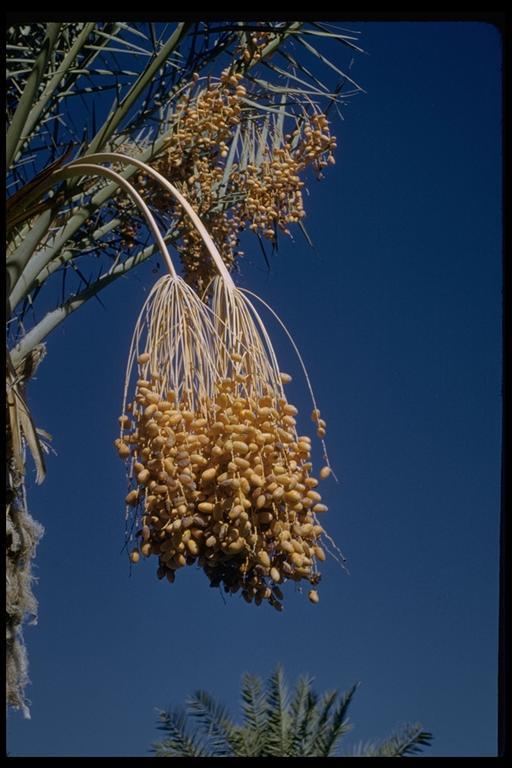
22	536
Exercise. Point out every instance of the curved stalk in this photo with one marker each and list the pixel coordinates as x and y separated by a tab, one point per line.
51	251
26	280
111	157
93	169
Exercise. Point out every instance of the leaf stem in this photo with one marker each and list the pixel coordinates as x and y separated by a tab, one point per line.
14	134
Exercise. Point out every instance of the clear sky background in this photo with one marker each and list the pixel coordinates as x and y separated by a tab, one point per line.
397	314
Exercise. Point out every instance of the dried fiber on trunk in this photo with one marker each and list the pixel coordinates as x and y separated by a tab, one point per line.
22	531
22	536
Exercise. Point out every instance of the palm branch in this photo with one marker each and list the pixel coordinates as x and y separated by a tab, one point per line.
407	741
213	724
274	724
254	706
178	741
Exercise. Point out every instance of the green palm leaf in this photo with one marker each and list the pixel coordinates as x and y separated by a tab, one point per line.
214	723
409	740
145	78
337	726
275	724
302	706
278	739
254	708
314	745
178	742
16	128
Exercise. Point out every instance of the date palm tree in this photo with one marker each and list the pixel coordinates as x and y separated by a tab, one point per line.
275	723
79	89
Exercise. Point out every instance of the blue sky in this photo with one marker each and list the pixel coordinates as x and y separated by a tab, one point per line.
397	314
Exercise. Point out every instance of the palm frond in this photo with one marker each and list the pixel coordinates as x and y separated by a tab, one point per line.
21	206
254	708
338	725
55	317
18	122
21	426
276	724
278	716
18	260
335	32
408	740
214	722
315	746
178	742
302	706
328	63
43	104
144	79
